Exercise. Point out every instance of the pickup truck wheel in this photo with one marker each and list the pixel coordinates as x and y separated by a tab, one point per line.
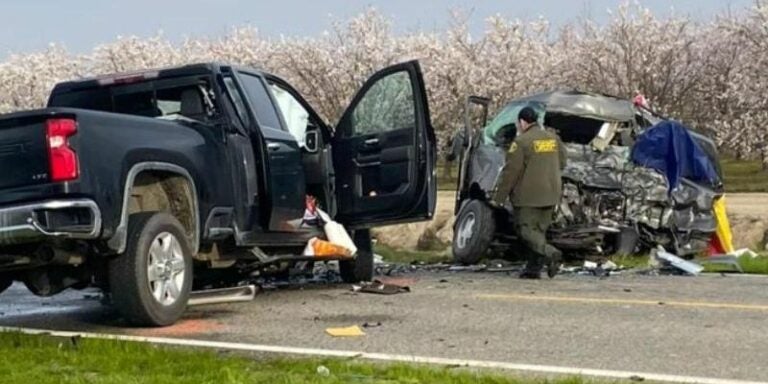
473	232
151	281
361	268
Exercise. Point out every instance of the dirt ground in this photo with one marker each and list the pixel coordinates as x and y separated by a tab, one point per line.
748	213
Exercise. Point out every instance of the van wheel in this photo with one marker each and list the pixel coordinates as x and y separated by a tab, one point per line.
473	232
151	281
361	268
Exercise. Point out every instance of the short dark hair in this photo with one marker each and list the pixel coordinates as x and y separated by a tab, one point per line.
528	115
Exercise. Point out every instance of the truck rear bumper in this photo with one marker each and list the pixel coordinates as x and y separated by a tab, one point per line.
69	219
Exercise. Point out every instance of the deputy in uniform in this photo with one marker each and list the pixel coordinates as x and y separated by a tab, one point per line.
531	179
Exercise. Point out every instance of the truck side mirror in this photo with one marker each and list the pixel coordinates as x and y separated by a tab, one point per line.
311	141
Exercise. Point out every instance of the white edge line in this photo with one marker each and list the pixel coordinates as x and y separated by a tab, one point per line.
545	369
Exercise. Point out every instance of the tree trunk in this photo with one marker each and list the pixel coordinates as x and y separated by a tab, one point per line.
764	155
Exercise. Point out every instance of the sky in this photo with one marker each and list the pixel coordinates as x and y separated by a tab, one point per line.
79	25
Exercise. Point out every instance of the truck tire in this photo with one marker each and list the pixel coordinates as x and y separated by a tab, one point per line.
361	268
473	232
151	281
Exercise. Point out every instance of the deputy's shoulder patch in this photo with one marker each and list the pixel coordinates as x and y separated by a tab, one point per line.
512	147
545	146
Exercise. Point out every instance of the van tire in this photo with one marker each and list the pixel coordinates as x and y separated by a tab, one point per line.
361	268
473	232
140	298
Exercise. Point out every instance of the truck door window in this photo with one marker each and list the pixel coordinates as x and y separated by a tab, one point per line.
294	114
237	99
260	101
388	105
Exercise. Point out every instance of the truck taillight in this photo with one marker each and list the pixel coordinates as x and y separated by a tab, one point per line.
62	158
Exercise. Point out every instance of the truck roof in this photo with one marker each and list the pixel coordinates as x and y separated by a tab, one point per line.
174	71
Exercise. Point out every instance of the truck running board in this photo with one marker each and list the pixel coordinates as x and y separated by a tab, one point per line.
222	295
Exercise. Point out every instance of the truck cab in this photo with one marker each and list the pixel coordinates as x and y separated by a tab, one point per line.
144	183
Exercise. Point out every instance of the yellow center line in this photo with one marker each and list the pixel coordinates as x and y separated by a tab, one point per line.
593	300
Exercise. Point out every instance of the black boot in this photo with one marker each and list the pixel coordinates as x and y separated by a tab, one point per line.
530	275
532	271
553	261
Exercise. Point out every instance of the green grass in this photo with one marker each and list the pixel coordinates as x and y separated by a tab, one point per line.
756	266
45	359
744	176
631	261
393	255
751	265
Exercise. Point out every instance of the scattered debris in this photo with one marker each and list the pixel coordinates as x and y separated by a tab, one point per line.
404	282
593	268
351	331
610	266
372	325
380	288
728	260
323	371
320	249
677	262
745	251
467	268
310	212
499	265
336	233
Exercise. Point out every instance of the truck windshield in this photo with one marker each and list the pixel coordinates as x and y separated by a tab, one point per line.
189	98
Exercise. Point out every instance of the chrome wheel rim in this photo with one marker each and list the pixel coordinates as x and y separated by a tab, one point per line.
166	269
466	230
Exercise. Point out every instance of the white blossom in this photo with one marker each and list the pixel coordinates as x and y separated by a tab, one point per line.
712	75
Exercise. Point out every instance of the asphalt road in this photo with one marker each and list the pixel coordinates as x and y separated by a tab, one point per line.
708	326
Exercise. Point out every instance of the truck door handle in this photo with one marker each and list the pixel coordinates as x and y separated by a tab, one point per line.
273	146
371	142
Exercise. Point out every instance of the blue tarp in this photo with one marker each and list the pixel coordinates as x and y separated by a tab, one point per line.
669	148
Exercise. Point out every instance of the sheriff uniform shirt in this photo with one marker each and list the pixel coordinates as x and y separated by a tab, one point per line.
532	173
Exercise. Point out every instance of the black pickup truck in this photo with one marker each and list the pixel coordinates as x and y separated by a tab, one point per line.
131	182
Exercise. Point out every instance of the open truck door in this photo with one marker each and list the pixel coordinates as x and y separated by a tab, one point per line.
384	151
469	139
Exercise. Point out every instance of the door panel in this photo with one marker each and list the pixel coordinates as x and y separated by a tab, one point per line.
286	178
283	203
383	151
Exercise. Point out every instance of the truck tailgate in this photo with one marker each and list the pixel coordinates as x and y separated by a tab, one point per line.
23	152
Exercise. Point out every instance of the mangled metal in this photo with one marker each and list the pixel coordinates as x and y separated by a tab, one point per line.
584	104
607	188
605	194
